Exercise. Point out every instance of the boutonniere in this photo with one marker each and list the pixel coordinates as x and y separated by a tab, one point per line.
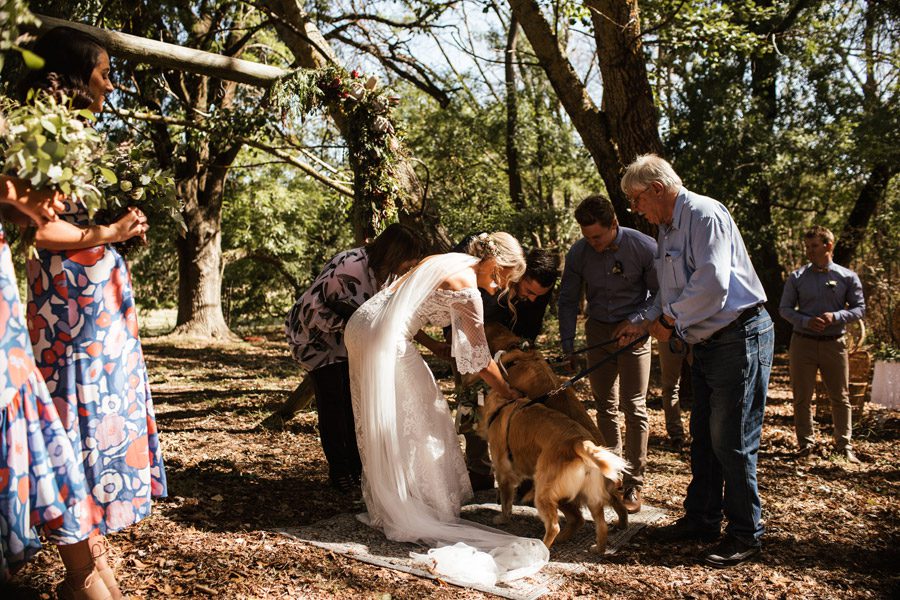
618	269
831	283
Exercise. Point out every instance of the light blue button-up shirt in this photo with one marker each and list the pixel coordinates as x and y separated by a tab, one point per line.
620	282
808	293
706	279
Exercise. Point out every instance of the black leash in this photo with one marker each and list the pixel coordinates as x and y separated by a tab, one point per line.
567	384
559	359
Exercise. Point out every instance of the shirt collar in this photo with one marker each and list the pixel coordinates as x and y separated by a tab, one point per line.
679	204
616	242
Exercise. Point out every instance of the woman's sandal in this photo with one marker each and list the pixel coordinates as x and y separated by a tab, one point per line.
93	589
107	574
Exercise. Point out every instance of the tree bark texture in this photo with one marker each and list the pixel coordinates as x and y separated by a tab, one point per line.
865	207
627	95
312	51
516	196
592	124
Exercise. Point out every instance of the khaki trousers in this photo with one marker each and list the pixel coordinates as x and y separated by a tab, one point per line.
670	377
621	384
830	358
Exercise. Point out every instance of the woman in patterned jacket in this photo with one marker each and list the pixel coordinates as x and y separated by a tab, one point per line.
315	331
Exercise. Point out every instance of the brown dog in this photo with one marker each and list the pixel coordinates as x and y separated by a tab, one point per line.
531	441
534	377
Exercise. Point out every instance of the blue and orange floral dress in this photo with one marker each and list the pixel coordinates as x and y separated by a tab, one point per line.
40	477
84	329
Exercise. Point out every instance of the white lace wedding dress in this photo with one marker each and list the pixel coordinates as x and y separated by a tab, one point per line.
414	474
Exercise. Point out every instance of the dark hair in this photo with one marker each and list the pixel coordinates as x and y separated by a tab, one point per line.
817	231
542	266
70	57
393	246
596	209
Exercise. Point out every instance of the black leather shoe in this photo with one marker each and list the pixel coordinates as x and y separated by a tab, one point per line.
729	552
345	483
684	530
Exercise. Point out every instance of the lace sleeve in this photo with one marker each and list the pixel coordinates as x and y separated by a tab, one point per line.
470	347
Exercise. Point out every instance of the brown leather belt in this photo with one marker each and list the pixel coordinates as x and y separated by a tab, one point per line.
819	338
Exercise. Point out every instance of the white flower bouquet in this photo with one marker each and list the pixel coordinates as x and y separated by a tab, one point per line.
47	143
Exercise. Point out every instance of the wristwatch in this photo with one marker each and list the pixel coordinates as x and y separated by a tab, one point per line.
662	321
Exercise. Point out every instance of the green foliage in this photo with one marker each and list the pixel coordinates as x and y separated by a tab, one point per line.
373	150
278	231
47	143
13	15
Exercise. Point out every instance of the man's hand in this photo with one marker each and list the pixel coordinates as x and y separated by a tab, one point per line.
657	330
626	331
818	324
576	362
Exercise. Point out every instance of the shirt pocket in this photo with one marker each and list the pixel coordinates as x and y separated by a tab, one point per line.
671	270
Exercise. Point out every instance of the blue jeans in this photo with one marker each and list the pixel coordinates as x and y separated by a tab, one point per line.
731	378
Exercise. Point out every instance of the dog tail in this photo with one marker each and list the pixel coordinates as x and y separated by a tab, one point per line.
611	465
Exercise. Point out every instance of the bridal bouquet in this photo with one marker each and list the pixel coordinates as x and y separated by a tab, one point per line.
130	177
49	144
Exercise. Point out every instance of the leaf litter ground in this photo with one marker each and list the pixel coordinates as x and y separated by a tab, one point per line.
832	528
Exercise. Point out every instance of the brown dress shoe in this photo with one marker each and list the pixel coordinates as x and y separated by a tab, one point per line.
631	499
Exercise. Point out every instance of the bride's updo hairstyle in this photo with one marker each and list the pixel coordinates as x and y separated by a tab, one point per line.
503	248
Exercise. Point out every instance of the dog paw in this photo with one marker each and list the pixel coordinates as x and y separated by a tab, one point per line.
500	520
597	549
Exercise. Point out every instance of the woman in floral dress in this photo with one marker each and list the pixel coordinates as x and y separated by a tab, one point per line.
83	324
40	475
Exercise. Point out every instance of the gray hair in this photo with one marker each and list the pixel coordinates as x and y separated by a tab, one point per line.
648	168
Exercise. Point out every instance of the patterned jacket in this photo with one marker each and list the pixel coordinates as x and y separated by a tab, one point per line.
313	327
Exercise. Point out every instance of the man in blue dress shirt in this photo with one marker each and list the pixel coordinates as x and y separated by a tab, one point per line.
709	297
614	266
819	299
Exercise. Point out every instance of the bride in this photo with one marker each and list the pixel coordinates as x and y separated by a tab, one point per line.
414	474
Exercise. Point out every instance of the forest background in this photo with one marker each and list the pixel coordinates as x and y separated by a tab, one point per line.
491	115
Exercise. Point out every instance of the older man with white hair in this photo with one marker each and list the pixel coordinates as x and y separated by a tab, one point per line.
711	298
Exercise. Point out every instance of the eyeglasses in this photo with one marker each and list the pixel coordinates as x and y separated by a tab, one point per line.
633	200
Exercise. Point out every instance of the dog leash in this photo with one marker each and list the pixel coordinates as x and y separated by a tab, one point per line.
559	359
567	384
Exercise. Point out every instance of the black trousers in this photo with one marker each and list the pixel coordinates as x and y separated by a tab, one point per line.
331	384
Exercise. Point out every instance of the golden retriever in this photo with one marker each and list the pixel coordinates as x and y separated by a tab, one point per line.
530	441
534	377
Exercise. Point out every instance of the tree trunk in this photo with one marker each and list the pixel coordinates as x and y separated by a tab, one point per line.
200	281
512	117
312	51
627	95
300	399
864	209
590	122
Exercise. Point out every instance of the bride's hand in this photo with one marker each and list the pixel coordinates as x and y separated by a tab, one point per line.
511	393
